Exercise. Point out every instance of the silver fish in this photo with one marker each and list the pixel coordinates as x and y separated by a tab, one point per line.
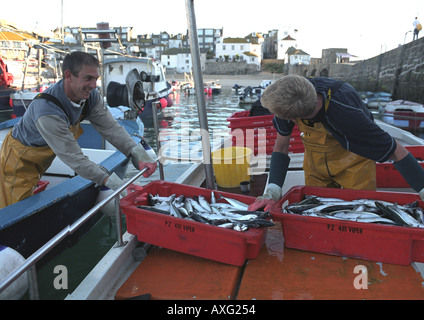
188	206
213	198
407	218
361	210
238	204
204	203
233	214
196	206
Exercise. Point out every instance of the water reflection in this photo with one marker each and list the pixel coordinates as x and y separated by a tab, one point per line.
179	124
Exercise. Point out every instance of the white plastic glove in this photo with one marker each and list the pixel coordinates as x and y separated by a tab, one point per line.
273	192
138	153
271	195
141	158
114	182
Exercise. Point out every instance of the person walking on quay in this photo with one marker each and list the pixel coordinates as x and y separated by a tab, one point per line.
417	28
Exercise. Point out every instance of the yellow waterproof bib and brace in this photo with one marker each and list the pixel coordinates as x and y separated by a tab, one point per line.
23	166
327	164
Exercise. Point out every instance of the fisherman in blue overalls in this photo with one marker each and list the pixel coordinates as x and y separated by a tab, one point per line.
342	141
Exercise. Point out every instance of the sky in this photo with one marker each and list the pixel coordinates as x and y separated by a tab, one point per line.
365	27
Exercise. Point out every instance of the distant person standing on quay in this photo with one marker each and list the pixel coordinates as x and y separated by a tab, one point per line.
417	28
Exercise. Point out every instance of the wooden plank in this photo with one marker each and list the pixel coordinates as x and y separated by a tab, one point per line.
170	275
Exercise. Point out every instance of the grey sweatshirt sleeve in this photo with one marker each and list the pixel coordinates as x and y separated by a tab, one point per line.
103	121
55	132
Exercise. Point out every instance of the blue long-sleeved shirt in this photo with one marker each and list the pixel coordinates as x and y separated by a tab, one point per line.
348	121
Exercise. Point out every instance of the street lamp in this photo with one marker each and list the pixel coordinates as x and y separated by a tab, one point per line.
404	39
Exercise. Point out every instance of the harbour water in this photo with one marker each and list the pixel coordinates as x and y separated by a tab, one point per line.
177	122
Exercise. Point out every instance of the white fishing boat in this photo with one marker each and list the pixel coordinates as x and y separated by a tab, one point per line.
139	270
152	76
404	114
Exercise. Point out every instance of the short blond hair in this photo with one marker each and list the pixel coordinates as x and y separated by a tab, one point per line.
290	97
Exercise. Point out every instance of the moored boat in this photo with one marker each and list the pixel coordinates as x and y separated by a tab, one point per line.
6	88
375	100
155	86
404	114
212	87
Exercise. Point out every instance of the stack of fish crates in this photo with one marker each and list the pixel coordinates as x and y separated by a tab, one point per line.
251	131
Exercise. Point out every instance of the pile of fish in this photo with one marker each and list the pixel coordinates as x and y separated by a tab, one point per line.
361	210
230	213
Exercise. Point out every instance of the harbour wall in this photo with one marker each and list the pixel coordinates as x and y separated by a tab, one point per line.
399	71
230	68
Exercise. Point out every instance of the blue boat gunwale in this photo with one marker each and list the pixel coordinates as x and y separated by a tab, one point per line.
10	215
68	188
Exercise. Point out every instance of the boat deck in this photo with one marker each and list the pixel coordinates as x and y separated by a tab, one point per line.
277	273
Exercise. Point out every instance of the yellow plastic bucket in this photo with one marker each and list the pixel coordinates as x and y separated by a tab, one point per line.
231	166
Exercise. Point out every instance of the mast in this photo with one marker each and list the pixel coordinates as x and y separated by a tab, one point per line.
200	96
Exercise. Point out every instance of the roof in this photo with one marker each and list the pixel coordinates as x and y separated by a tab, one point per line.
235	40
345	55
301	53
175	51
289	38
15	36
292	51
250	54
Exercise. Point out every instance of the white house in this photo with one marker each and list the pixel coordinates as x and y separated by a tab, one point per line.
298	57
239	49
251	58
180	60
284	44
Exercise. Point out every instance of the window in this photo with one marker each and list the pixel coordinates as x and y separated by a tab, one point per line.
223	48
233	47
113	70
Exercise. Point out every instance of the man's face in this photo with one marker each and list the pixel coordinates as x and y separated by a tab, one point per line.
79	87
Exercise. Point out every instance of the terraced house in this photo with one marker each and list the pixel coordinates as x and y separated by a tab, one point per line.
247	49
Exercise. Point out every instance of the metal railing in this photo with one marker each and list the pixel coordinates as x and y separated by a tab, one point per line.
29	263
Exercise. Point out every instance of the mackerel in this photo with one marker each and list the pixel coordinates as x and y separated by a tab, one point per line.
238	204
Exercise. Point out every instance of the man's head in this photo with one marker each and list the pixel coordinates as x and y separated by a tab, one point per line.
80	73
290	97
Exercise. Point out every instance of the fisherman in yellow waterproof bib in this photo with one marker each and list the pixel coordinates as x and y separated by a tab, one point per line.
51	126
342	141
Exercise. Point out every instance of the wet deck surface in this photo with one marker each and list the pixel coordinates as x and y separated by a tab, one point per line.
277	273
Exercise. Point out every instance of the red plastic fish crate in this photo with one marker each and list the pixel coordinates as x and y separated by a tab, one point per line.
375	242
246	132
389	177
191	237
